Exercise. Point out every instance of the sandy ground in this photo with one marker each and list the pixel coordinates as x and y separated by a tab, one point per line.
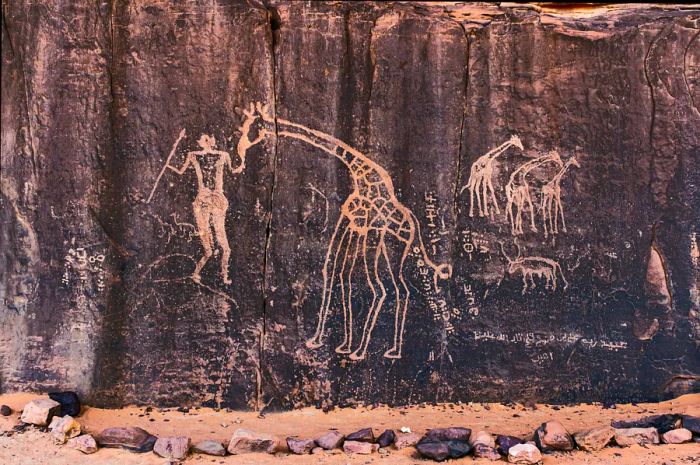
34	447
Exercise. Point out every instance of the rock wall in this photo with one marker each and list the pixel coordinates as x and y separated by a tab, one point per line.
272	205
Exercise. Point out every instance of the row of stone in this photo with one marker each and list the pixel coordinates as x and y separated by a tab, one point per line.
437	444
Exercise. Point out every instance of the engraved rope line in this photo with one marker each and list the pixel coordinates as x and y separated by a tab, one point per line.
373	229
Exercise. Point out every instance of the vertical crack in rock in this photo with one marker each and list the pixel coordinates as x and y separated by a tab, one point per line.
273	25
685	71
458	177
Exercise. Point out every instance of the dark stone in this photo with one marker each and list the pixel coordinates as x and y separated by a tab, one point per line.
662	423
131	438
387	438
486	452
458	449
447	434
363	435
5	410
691	423
437	451
69	400
504	442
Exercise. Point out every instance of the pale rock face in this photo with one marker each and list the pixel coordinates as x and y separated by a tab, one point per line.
404	440
64	428
677	436
40	411
629	436
85	444
244	441
209	448
359	447
594	439
173	447
524	454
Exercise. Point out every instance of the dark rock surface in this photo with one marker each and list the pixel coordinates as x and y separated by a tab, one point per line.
101	241
69	400
362	435
455	433
663	423
505	442
387	438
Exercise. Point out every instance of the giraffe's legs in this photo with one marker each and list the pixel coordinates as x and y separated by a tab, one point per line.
346	280
471	196
560	209
331	263
485	195
374	241
493	196
395	254
532	211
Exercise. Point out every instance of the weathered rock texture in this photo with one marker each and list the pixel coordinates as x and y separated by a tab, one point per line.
100	242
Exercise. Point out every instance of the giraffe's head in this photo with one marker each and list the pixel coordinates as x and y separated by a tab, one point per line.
516	142
257	124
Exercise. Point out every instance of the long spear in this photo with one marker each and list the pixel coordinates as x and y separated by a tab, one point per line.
167	163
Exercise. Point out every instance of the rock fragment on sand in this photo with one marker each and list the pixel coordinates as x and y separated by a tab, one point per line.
404	440
483	451
300	446
629	436
437	451
553	436
85	444
317	450
244	441
331	440
505	442
359	447
482	437
524	454
64	428
387	438
69	400
594	439
363	435
677	436
5	411
209	448
691	423
131	438
662	423
447	434
40	411
174	448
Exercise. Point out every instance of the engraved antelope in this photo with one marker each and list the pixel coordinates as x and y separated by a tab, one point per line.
529	267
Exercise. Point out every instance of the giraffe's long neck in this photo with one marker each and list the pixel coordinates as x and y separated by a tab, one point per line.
561	172
329	144
495	153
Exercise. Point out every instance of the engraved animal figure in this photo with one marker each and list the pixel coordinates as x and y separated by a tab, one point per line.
210	204
551	206
518	192
531	267
374	230
480	182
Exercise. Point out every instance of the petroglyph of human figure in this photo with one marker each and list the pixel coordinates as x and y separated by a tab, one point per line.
373	230
480	182
518	192
210	204
531	267
551	206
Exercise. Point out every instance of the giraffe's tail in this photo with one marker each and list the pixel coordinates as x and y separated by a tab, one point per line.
441	270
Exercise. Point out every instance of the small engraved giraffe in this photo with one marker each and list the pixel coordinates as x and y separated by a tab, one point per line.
518	192
374	228
480	178
551	206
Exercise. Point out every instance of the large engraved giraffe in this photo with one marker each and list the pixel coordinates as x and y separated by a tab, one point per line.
518	192
480	178
374	229
551	206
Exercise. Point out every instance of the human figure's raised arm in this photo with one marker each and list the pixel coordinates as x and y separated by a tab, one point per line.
185	165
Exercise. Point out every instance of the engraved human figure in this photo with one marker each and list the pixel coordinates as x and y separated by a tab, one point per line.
518	192
480	182
373	230
210	204
531	267
551	206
